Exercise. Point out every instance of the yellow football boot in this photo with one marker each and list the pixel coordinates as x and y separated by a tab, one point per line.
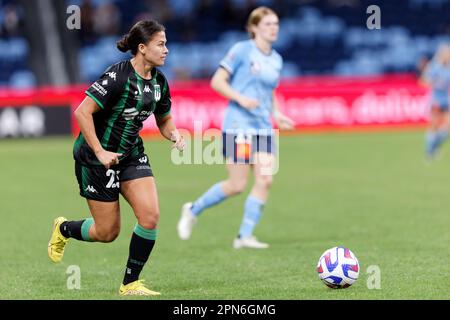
57	242
136	288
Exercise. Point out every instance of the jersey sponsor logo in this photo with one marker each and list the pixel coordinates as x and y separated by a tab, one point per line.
91	189
130	113
143	115
97	87
143	159
112	75
157	88
105	82
147	89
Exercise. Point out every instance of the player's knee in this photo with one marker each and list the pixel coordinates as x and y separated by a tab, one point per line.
148	224
238	186
264	181
108	234
150	219
111	237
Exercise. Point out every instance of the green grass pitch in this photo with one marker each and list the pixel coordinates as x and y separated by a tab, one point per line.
372	193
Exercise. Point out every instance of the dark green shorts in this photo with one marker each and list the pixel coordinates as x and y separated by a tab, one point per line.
101	184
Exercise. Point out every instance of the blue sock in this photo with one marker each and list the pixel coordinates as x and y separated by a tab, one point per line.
213	196
432	142
252	215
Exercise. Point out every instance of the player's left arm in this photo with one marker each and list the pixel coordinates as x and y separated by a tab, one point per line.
168	130
164	119
283	121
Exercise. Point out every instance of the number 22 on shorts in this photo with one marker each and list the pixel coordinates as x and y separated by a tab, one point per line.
112	180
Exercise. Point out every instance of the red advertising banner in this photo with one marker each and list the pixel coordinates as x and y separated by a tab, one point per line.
352	103
314	103
319	103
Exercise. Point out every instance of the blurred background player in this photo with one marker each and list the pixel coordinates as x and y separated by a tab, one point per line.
109	153
337	74
247	77
437	76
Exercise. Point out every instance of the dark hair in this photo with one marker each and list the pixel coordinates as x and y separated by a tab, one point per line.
141	32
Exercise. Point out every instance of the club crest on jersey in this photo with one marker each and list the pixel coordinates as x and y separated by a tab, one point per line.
255	67
157	88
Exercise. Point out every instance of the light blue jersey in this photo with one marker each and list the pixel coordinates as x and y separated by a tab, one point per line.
439	76
255	75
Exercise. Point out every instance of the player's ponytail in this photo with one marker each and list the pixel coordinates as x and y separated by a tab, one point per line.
122	44
141	32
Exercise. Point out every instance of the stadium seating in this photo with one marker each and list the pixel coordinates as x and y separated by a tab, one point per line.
14	48
318	38
321	37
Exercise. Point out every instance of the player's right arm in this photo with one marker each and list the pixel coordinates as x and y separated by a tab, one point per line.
83	115
220	82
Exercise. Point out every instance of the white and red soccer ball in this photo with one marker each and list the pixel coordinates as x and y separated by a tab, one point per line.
338	268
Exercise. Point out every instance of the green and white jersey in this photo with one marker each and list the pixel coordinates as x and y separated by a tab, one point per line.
126	101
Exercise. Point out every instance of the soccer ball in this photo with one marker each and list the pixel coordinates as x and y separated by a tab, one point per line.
338	268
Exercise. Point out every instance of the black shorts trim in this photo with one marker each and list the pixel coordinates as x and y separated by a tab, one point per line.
102	200
138	177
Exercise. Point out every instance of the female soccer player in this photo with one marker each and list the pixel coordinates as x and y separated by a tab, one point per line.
437	75
247	77
109	153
